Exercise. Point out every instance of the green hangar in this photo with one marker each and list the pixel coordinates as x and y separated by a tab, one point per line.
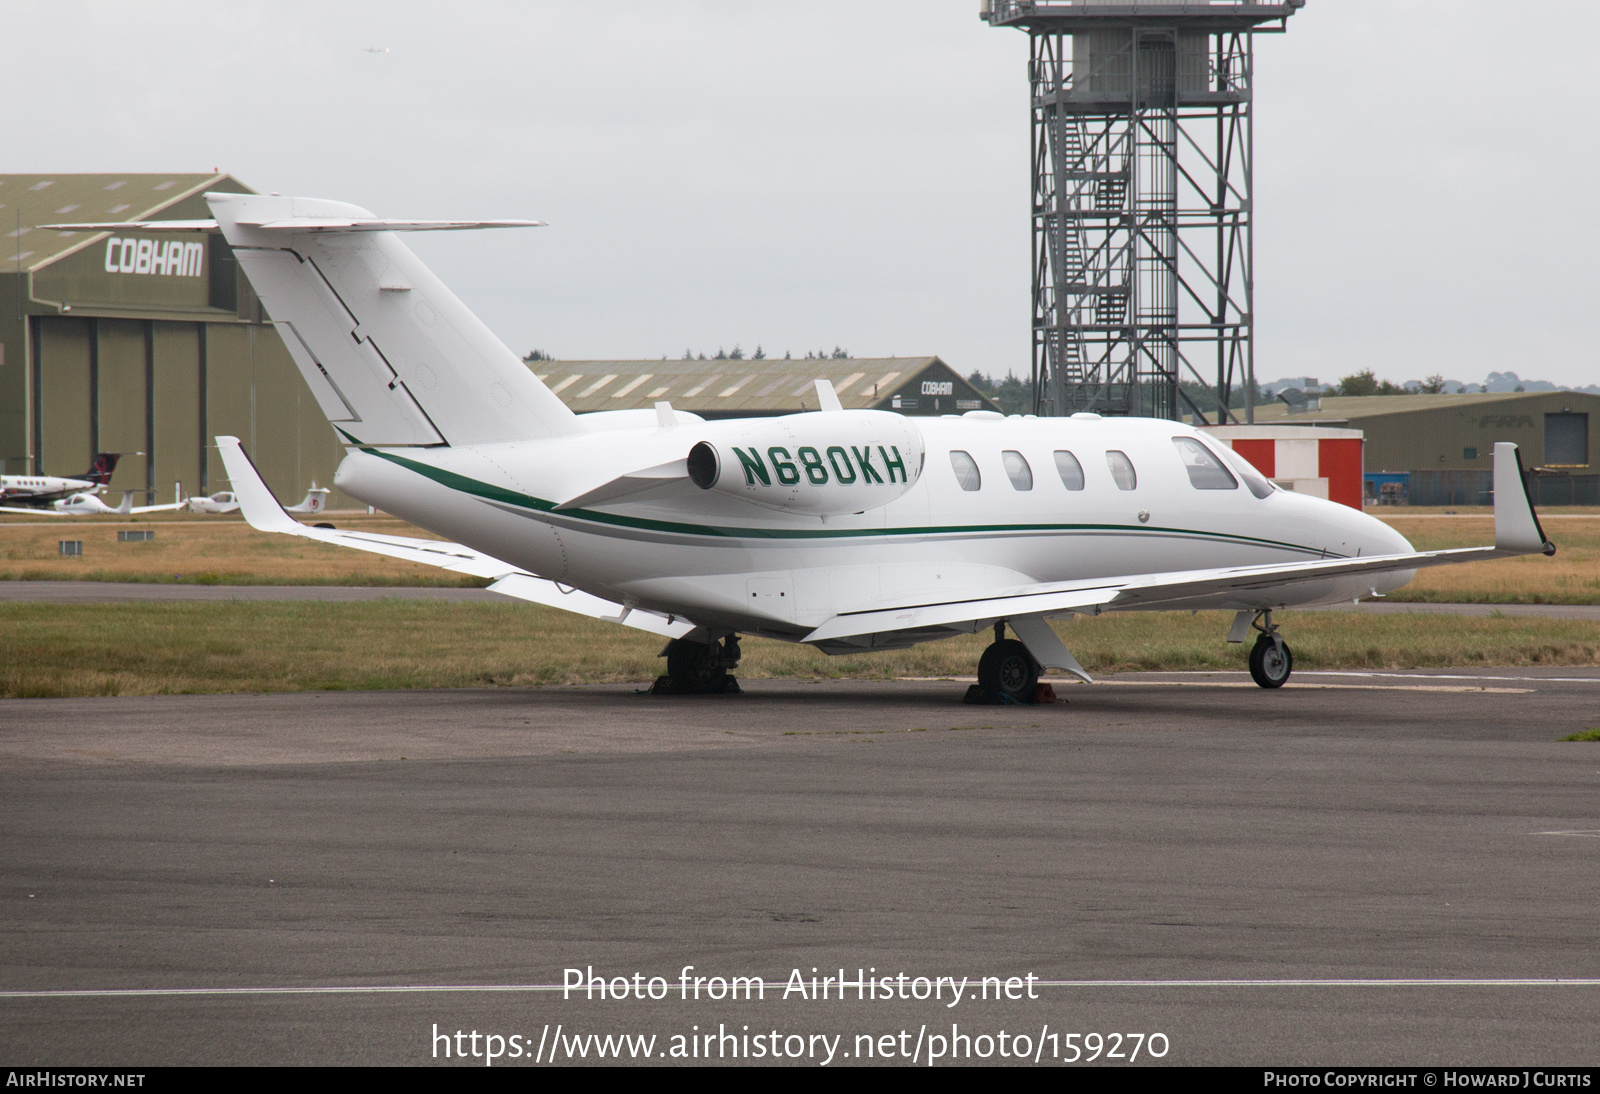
146	346
1443	445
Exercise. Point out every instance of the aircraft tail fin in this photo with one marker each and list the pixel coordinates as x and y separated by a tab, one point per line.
315	501
127	503
391	354
102	468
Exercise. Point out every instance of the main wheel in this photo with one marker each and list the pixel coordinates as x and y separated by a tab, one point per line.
693	667
1008	668
1271	662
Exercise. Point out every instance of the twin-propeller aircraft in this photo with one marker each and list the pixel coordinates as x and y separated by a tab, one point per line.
846	530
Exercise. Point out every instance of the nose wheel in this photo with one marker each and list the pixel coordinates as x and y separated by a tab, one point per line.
1271	660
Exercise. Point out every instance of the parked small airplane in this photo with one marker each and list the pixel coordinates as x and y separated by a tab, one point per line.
315	501
82	505
38	491
223	502
846	530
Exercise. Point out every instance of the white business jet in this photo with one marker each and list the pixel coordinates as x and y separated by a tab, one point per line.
847	530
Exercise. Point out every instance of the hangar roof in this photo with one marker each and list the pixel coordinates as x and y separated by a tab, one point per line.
732	387
1353	408
27	201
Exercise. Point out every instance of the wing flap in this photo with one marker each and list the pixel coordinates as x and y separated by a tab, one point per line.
543	591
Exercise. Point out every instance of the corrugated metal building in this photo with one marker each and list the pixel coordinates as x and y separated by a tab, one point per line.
146	345
1558	429
750	388
1446	442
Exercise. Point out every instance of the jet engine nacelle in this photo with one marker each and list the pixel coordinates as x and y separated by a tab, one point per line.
830	463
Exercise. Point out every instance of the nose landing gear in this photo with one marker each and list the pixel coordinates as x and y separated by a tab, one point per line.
1271	660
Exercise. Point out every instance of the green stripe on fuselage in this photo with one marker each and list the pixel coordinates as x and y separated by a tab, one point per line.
501	495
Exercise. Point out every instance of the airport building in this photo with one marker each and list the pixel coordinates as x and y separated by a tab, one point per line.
746	388
147	343
1439	449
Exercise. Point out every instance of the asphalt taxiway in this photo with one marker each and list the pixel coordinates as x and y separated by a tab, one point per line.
1359	868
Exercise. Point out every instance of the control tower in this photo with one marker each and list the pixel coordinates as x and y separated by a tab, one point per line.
1142	156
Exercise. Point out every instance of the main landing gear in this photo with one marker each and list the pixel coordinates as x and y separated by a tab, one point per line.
1007	673
699	667
1271	660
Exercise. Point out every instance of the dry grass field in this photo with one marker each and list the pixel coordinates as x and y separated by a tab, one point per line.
1570	576
205	550
150	648
226	551
49	650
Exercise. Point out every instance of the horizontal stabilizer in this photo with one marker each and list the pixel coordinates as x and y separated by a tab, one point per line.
298	224
392	356
137	226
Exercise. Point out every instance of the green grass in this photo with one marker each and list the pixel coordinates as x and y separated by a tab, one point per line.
52	650
1586	735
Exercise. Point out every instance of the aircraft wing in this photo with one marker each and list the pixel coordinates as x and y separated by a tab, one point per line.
1517	532
37	512
264	513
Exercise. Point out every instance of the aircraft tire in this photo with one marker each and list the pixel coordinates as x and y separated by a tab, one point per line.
693	668
1007	668
1267	667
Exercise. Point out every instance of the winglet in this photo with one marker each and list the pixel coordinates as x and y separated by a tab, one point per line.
827	398
260	508
1516	525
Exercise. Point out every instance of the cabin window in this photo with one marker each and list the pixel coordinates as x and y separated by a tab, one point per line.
1205	470
1017	469
1122	470
966	469
1070	470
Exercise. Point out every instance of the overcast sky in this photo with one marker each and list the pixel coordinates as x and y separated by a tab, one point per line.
802	175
